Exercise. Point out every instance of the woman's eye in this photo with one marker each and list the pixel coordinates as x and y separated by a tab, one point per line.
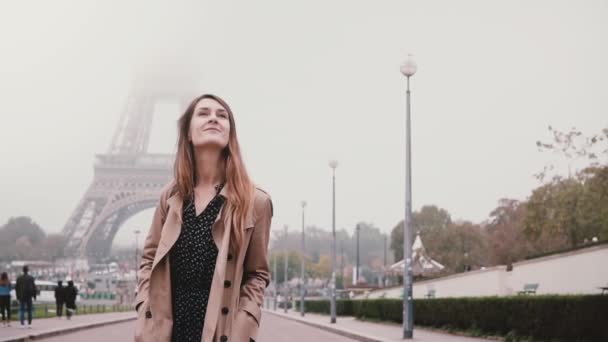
203	113
223	115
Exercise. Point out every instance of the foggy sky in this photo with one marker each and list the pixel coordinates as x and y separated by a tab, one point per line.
308	81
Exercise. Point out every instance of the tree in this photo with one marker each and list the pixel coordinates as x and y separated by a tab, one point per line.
431	218
53	246
429	221
552	211
461	243
570	211
18	236
593	203
505	233
574	146
371	244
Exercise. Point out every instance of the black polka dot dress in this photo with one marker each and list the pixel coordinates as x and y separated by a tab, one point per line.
192	261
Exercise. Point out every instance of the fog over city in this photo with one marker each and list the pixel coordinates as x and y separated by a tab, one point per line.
308	82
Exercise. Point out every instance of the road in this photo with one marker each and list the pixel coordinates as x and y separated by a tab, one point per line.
274	329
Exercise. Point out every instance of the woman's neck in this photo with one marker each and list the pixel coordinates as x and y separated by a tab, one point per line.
208	164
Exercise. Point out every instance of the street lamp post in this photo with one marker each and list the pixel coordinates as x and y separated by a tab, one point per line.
384	266
342	264
302	290
333	164
136	253
408	69
274	271
357	269
285	274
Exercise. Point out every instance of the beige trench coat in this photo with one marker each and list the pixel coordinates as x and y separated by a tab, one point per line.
237	289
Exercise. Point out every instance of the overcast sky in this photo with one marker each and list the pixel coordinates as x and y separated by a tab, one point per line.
308	81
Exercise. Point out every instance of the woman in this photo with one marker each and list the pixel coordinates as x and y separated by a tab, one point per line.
204	266
5	299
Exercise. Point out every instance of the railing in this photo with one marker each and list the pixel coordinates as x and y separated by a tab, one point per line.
48	310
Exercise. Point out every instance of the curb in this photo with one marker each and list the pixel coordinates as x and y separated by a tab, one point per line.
57	332
334	330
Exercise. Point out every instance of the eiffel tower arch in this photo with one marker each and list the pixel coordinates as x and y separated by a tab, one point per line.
127	179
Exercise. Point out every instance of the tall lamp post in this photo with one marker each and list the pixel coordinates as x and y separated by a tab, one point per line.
408	69
285	274
342	264
332	287
357	262
302	290
136	253
384	266
274	272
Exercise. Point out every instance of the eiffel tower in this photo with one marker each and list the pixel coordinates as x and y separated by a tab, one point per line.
126	179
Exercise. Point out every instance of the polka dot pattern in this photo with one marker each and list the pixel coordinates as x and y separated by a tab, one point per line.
192	260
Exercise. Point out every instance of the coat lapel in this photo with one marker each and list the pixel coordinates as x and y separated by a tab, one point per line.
171	228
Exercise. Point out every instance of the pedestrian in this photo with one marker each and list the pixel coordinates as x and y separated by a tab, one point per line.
5	299
26	291
204	266
59	298
70	294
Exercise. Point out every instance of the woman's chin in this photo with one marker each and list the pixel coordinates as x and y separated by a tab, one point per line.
210	144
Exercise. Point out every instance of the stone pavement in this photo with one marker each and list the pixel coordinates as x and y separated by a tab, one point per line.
46	327
369	331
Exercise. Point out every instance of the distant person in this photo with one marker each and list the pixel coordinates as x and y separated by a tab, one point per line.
5	299
59	298
70	299
26	291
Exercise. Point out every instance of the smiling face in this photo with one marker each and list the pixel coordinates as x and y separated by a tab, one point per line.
210	125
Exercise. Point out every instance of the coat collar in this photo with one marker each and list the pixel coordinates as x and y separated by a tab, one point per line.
176	201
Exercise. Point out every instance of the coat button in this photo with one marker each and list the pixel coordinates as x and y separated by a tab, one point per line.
229	256
225	311
148	314
224	338
227	283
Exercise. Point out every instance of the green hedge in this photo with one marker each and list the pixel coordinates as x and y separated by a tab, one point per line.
49	310
344	307
545	318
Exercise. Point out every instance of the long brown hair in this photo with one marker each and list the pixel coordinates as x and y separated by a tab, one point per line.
237	182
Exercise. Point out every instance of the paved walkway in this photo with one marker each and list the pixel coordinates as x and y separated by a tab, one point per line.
346	326
369	331
46	327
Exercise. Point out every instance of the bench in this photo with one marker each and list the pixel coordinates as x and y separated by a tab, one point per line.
430	293
603	288
528	289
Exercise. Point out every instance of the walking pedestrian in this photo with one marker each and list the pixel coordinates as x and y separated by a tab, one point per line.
59	298
26	291
5	299
70	299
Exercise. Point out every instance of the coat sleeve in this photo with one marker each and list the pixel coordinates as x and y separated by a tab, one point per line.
149	251
256	273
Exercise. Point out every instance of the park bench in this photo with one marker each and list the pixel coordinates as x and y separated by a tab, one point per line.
430	293
604	288
528	289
